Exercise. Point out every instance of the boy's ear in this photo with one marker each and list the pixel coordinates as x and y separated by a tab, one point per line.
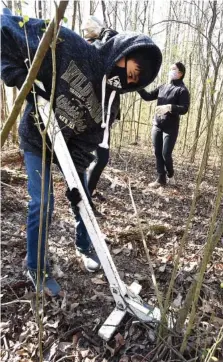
121	62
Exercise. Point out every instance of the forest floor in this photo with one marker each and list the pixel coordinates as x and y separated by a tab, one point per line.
71	323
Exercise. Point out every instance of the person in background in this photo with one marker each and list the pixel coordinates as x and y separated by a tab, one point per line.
173	101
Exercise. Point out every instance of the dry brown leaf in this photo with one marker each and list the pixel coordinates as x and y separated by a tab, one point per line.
4	326
136	359
84	352
119	342
177	301
98	281
64	346
74	306
64	301
52	324
53	350
117	251
124	359
162	268
76	338
24	335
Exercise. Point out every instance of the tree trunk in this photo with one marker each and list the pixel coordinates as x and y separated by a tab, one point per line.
9	2
115	16
91	7
74	15
104	12
205	78
138	124
199	116
14	127
188	114
79	16
3	104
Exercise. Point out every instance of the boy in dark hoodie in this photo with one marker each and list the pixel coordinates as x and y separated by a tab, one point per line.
125	63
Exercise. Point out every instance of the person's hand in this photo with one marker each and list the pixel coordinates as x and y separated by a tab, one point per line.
73	196
161	110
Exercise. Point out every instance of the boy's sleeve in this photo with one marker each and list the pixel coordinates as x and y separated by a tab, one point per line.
149	96
13	68
14	54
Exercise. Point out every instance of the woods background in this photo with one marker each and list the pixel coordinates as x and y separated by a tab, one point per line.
182	227
187	31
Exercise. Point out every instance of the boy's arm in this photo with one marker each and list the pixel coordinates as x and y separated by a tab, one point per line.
13	68
149	96
13	55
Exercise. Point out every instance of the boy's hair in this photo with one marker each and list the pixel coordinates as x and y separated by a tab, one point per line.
181	68
143	63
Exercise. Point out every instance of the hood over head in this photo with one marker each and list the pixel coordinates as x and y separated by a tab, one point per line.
121	45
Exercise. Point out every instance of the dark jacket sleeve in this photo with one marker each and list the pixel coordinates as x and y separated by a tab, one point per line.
149	96
13	67
184	103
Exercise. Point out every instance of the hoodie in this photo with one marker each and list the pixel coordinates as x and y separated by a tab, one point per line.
82	75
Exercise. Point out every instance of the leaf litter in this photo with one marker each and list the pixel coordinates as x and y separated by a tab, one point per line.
71	323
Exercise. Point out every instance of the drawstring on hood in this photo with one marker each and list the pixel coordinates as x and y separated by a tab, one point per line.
104	124
104	143
104	80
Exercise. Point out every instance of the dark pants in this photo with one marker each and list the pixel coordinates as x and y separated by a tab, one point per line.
96	168
164	143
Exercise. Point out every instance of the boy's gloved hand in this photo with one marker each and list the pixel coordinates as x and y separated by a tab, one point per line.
73	196
161	110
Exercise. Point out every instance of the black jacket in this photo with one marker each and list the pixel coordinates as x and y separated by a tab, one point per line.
174	93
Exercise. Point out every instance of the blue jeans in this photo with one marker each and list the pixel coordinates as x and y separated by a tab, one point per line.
33	165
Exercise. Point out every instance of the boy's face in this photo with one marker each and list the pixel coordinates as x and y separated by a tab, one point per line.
132	71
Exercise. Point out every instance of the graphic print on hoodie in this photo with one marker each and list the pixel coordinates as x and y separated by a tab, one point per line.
82	73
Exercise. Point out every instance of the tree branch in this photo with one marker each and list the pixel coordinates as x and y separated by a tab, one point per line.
193	27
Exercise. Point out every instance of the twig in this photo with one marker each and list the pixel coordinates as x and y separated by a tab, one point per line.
159	352
12	236
95	343
11	187
43	135
151	352
158	295
213	348
64	357
6	349
16	301
178	354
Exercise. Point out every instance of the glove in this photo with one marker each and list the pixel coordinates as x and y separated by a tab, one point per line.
39	92
161	110
74	197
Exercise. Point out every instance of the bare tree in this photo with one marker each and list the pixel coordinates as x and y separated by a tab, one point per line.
206	64
104	12
74	15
